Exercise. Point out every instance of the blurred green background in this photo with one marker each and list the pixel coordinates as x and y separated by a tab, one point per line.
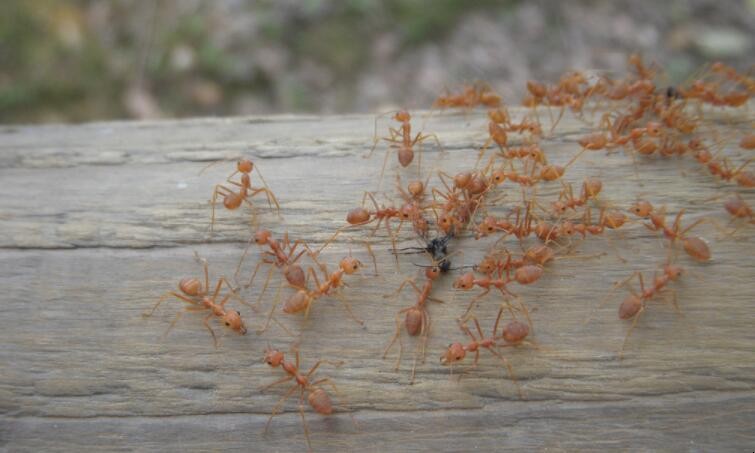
72	61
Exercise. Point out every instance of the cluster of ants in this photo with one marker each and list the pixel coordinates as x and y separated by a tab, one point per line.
641	118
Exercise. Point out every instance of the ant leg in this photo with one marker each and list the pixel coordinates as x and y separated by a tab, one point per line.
510	369
382	170
372	254
474	301
215	194
304	419
398	291
397	336
254	274
340	396
276	300
393	239
347	305
269	192
279	405
526	315
279	381
420	349
616	286
212	332
497	320
270	198
629	332
166	296
264	287
243	257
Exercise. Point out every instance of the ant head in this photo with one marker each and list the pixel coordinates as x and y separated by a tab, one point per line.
454	353
190	286
350	265
232	319
357	216
567	228
245	166
498	116
653	129
498	177
416	188
559	207
537	89
262	237
445	221
432	272
407	211
515	331
487	265
402	116
695	144
465	282
273	357
642	208
534	129
487	226
673	271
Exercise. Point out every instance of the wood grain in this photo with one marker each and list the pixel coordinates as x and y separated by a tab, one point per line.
98	220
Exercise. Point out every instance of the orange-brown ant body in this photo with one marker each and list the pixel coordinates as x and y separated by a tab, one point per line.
232	199
199	299
317	397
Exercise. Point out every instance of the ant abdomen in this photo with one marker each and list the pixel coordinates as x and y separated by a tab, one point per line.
413	321
297	302
630	307
190	286
295	275
515	332
320	402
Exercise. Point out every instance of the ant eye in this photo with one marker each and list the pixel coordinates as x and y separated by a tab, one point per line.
227	323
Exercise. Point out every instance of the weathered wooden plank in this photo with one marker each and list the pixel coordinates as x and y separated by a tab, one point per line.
98	220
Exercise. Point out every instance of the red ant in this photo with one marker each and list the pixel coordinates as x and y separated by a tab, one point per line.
693	245
591	187
457	351
232	200
468	281
724	171
302	300
280	256
199	299
402	140
317	397
635	304
525	272
471	95
361	216
417	318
